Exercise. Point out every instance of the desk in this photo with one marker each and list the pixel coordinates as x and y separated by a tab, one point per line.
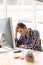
8	59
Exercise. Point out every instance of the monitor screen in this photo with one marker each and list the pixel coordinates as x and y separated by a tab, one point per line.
6	33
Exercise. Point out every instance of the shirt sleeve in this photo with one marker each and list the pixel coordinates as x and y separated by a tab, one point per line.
36	41
18	42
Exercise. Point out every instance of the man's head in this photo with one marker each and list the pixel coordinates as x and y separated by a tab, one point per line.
21	28
21	25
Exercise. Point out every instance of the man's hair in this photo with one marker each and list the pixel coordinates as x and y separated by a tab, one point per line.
21	25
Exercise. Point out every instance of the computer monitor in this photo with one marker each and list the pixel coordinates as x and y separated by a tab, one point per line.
6	32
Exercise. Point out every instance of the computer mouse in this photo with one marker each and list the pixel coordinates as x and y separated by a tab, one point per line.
17	51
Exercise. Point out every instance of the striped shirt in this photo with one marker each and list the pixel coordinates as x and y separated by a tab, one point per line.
32	41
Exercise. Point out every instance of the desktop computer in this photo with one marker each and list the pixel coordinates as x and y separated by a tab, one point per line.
6	39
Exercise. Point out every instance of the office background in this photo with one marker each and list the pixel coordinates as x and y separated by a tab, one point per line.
30	11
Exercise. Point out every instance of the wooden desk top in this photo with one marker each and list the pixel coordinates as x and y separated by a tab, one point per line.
8	59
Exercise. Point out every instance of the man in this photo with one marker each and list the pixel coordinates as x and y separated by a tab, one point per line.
29	38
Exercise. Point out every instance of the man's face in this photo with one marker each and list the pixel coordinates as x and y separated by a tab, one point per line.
22	31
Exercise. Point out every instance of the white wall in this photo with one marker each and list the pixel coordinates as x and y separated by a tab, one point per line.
30	10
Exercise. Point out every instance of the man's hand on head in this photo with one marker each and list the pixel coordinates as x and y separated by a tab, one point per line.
16	28
16	31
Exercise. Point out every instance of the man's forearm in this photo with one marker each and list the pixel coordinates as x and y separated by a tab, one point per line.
15	35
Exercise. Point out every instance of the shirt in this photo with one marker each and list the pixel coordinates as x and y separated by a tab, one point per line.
32	41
